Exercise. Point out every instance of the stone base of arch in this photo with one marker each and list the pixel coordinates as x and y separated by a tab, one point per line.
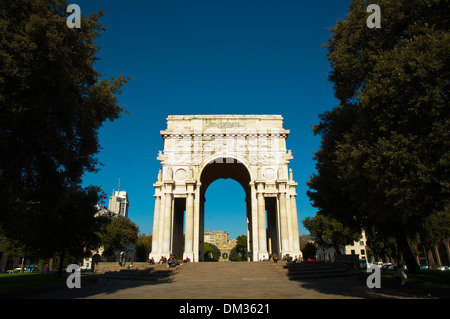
199	149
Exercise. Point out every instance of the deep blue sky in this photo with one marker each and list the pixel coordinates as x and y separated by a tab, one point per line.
211	57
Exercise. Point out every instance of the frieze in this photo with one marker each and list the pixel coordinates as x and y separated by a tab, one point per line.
224	125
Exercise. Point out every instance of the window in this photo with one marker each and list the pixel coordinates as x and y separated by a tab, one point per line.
363	252
353	251
361	243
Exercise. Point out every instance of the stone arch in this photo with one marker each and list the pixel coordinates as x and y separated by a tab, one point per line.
199	149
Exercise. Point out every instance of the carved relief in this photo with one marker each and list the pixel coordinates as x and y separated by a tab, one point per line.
180	174
269	174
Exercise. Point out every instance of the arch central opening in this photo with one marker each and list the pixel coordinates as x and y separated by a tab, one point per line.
225	217
225	169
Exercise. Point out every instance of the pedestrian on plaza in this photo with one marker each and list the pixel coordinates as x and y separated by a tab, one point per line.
45	270
400	277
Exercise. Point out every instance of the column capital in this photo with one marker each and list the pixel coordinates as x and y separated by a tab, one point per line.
168	188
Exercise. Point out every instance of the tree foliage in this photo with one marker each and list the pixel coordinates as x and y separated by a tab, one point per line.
143	247
211	252
53	102
119	233
385	152
328	232
309	251
240	251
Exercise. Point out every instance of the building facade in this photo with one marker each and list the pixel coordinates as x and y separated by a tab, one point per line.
118	203
359	248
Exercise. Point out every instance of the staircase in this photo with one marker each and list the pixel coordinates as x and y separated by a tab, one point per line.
315	270
227	272
139	271
209	272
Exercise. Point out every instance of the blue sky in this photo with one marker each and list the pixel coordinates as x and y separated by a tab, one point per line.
211	57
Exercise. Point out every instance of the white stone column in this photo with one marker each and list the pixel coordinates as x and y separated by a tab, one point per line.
189	234
156	224
262	232
248	224
167	227
162	209
196	221
295	224
255	229
284	224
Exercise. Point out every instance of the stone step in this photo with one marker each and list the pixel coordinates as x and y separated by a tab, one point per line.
225	272
305	271
103	267
139	271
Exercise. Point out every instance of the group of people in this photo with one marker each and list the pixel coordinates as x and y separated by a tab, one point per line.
287	258
171	262
290	259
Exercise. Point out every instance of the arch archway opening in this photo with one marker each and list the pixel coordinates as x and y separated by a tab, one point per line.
230	168
225	215
225	168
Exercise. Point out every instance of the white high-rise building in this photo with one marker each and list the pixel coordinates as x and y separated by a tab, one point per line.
118	203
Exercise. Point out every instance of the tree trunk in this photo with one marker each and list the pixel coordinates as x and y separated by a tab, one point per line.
430	258
405	249
61	263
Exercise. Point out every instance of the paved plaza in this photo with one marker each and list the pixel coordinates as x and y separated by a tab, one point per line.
254	280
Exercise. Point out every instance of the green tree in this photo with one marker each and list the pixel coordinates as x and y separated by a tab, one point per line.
120	233
382	244
143	247
328	232
385	152
435	228
240	251
309	251
53	102
211	252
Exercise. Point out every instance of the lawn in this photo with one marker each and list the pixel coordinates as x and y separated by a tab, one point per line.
11	282
440	278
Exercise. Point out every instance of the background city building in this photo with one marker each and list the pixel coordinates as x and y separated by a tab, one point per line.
221	240
117	207
357	248
118	203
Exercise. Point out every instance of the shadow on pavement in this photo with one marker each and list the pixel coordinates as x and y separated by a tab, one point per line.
355	286
103	285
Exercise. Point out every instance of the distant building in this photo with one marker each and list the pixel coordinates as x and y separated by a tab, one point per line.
117	207
103	211
118	203
221	240
217	237
357	248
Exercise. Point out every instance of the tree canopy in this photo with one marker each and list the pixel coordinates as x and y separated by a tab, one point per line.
328	232
384	160
240	251
119	233
211	252
53	101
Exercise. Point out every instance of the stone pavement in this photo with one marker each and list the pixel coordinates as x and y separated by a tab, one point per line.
253	280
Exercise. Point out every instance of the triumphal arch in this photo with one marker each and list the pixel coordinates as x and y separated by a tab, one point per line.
199	149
